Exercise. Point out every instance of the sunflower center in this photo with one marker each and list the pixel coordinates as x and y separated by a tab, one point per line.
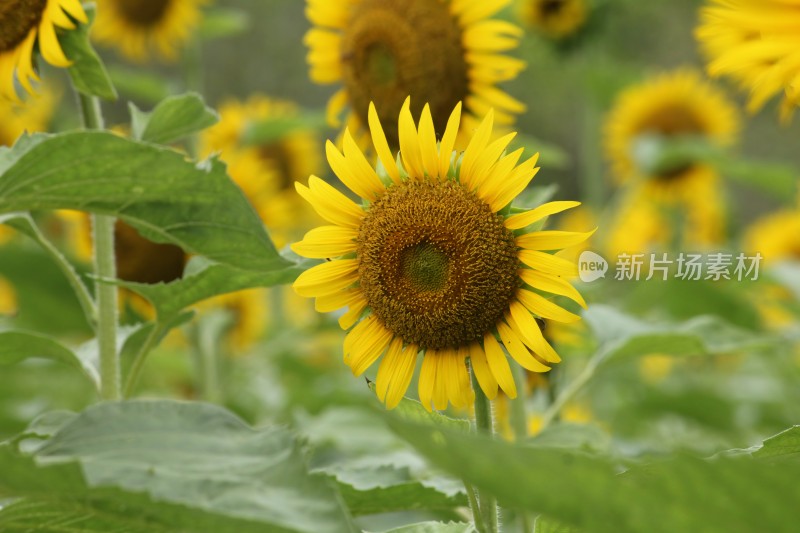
674	122
438	268
17	18
392	49
143	12
143	261
549	8
425	266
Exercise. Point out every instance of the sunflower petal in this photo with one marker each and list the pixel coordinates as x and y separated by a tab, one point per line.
381	146
327	241
529	331
541	306
480	366
402	377
427	143
330	204
523	220
449	141
518	351
552	284
327	278
427	380
499	365
552	240
409	143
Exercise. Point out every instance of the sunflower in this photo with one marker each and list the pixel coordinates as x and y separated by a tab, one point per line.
8	298
756	43
140	27
670	105
556	19
434	263
776	236
24	24
267	171
440	52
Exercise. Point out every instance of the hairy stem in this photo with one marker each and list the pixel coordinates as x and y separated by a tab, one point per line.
483	424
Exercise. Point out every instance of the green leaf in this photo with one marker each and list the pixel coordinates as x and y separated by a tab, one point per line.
87	72
16	346
142	85
274	129
786	443
387	489
544	525
203	280
156	190
171	465
220	22
172	119
724	495
434	527
624	336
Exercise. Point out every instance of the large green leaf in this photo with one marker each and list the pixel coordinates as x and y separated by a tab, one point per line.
156	190
727	494
172	119
178	466
784	444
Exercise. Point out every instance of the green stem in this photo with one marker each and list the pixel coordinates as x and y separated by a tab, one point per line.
105	269
475	508
483	424
141	357
81	291
571	390
519	424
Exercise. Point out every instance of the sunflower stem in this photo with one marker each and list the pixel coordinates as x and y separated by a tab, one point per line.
472	496
483	425
138	362
105	269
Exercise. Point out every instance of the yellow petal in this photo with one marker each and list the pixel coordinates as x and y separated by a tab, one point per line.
523	220
349	175
427	380
474	150
49	46
354	312
330	204
549	263
496	180
440	386
541	306
553	284
409	143
499	365
337	300
381	146
449	140
368	347
327	242
402	377
327	278
427	143
480	366
552	240
336	105
518	351
388	368
530	333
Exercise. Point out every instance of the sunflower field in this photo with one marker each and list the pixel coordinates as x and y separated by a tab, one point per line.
399	266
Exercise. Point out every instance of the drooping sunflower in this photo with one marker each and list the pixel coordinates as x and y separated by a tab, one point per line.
757	44
434	263
25	24
556	19
437	51
267	171
139	28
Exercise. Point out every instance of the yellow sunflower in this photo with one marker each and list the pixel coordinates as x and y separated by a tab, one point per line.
267	172
776	236
8	298
670	105
140	27
25	24
440	52
757	44
434	261
556	19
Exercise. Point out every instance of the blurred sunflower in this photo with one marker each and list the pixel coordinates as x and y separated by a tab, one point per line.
556	19
266	171
670	106
434	262
8	298
25	24
440	52
756	43
248	311
140	27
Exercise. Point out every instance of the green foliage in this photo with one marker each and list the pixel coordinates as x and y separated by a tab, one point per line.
122	466
16	346
156	190
590	493
88	74
172	119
